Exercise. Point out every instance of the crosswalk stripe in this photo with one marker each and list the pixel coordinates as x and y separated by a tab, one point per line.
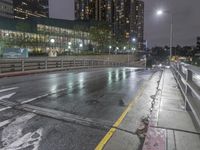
5	108
8	89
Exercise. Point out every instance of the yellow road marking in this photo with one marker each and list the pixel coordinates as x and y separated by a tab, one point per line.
110	133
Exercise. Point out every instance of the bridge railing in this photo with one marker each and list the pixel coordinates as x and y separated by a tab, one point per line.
188	79
20	65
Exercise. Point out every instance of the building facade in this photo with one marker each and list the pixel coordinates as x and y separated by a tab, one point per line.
24	9
126	17
45	35
140	24
6	8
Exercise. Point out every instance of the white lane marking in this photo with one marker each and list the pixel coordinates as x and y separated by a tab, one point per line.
8	89
3	123
5	108
7	96
42	96
33	99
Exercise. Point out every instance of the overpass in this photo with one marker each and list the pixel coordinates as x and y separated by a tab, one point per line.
98	104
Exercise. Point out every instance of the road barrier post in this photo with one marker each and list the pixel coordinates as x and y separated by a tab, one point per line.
22	65
46	64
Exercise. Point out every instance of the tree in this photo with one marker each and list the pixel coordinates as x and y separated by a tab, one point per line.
23	27
2	45
100	35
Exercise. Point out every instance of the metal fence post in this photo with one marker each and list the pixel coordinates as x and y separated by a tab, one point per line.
61	62
22	64
46	64
187	88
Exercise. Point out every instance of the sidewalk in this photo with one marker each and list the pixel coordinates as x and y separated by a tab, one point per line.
172	114
169	115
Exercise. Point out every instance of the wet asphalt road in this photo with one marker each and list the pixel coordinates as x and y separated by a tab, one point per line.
93	94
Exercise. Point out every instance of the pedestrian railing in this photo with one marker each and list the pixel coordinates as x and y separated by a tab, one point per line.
188	79
18	65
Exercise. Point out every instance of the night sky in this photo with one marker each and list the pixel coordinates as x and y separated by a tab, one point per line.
186	22
157	28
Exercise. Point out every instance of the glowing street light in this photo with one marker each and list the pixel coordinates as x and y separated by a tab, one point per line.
134	39
159	12
124	47
110	47
69	43
52	41
80	45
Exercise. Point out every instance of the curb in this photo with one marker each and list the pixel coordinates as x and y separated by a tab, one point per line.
155	137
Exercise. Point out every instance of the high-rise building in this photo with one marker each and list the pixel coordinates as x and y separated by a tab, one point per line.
24	9
126	17
99	10
140	24
6	8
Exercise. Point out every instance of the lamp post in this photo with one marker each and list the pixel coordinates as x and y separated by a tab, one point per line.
80	46
110	47
124	49
160	13
52	41
69	47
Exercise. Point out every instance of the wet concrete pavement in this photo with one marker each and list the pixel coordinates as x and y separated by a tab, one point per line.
95	94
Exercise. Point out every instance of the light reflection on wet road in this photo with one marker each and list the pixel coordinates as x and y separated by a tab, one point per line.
90	93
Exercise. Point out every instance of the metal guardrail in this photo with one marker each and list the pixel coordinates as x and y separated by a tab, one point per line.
188	78
21	65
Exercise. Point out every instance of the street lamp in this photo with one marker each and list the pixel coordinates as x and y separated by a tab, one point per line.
80	45
160	13
134	39
69	47
110	47
52	41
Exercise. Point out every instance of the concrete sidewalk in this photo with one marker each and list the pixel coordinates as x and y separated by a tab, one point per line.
172	114
170	122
